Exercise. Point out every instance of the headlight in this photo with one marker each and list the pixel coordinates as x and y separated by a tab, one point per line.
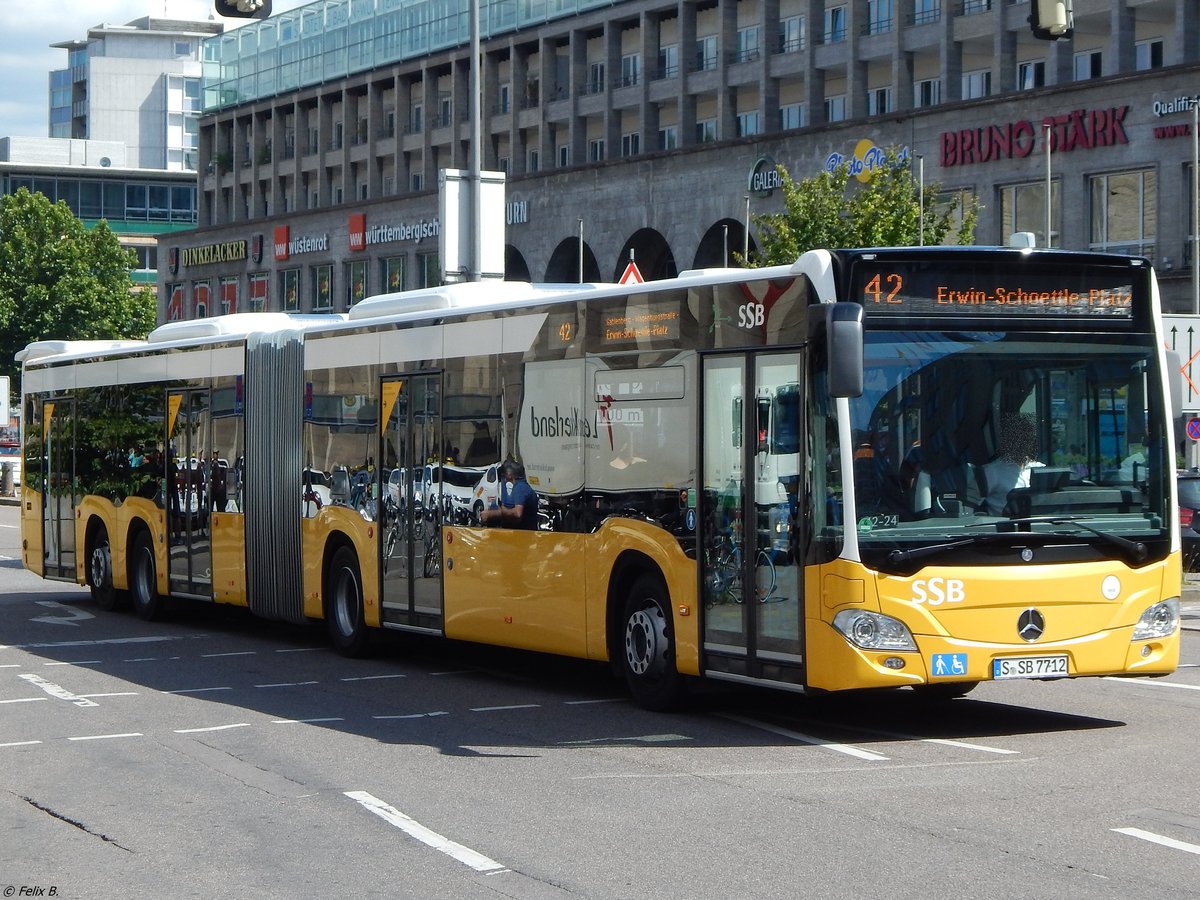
1159	620
873	631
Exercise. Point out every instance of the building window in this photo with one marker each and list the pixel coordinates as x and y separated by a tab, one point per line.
534	163
289	289
631	144
564	155
879	16
749	124
835	24
416	181
791	34
416	120
595	78
706	53
431	269
596	150
668	61
1088	65
183	48
259	285
668	138
879	101
505	98
1023	208
229	295
706	131
976	84
835	108
1124	210
926	11
1148	54
201	299
1031	75
631	69
927	92
791	115
747	44
502	164
356	281
971	7
393	273
174	302
322	278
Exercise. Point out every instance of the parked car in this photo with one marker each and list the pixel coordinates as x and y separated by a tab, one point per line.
1188	483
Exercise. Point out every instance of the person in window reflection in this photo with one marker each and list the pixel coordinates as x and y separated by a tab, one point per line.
518	502
1017	441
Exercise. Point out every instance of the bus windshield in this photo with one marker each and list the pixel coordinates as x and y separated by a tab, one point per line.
960	438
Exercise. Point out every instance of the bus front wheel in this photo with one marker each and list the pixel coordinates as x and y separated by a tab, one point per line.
344	604
148	603
648	657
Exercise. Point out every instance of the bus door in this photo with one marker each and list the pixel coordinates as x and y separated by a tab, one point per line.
750	573
412	456
189	513
59	494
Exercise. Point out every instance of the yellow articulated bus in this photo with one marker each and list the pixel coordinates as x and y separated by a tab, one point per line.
918	467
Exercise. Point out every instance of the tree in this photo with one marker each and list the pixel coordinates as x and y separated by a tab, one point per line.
62	281
885	211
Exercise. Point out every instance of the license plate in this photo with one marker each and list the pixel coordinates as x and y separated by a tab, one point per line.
1030	667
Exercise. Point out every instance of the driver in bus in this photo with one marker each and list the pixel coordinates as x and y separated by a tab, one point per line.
518	501
1018	444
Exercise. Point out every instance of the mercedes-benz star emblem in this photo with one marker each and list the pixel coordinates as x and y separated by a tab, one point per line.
1030	625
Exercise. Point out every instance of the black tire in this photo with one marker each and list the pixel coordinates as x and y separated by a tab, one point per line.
647	647
100	572
948	690
344	604
148	603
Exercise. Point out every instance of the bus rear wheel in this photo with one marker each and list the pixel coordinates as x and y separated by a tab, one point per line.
100	572
148	603
344	604
648	645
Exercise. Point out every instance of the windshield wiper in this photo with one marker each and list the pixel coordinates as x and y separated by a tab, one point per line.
1135	548
899	556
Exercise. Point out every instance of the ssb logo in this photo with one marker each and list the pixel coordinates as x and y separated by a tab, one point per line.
936	591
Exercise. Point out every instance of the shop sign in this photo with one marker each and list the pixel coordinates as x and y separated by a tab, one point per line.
516	212
1080	129
207	254
287	246
1174	106
764	177
362	236
866	160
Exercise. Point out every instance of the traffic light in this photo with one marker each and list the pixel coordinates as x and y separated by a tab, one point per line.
243	9
1051	19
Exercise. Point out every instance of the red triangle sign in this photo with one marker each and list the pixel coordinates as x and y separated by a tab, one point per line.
632	275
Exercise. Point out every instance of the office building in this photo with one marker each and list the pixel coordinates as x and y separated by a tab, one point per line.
644	127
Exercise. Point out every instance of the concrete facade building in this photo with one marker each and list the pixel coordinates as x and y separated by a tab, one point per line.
644	126
138	83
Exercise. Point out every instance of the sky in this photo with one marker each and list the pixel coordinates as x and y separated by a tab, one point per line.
28	27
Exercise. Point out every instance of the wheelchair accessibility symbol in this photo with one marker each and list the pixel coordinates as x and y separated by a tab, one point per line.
947	664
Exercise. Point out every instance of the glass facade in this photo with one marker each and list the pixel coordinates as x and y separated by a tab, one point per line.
333	38
121	201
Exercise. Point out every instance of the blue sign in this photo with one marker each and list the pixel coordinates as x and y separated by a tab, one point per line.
945	665
689	520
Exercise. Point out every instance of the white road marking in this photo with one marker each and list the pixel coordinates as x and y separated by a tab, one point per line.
73	616
25	700
808	739
504	708
55	690
300	649
231	653
947	742
212	728
20	744
372	677
1169	684
428	715
586	702
640	739
287	684
1159	839
78	662
105	737
415	829
306	721
198	690
113	694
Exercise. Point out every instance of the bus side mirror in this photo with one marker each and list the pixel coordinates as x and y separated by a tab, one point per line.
844	333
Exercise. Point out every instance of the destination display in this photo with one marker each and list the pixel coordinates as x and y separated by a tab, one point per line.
898	287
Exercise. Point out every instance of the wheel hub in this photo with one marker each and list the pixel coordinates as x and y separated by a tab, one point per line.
645	640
